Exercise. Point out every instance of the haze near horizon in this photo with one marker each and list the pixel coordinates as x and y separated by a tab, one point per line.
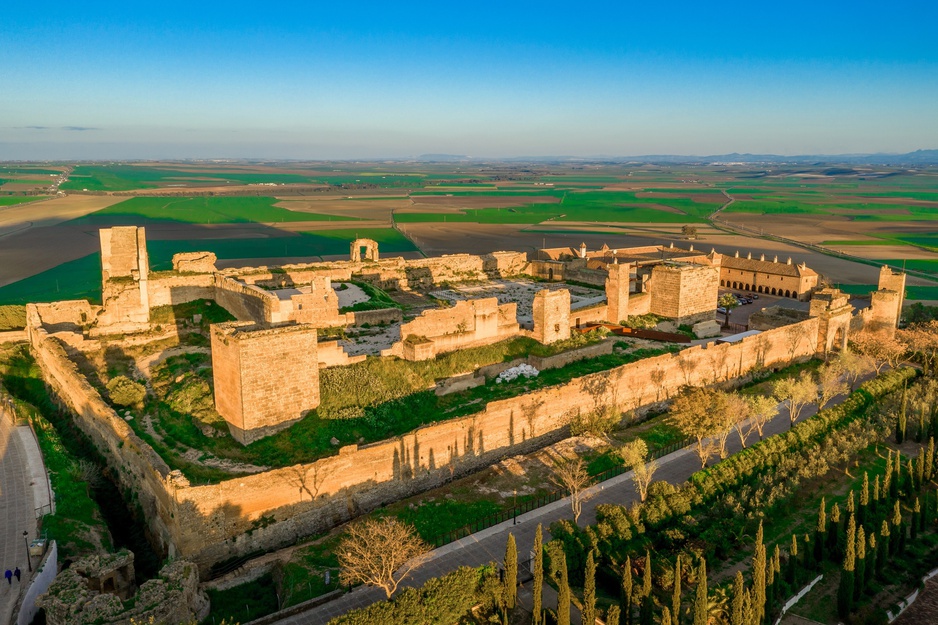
379	80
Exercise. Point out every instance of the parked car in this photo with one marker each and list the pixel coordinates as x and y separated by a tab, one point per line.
755	296
721	310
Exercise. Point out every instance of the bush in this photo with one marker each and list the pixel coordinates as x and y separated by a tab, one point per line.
12	317
125	392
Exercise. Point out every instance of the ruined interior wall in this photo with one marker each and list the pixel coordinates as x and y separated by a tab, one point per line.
246	302
591	314
194	262
552	270
468	323
331	354
311	498
168	288
504	264
123	253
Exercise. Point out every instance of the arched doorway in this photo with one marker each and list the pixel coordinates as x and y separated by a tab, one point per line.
773	290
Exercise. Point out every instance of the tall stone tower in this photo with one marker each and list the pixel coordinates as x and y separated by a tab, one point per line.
124	274
266	379
551	315
886	303
835	312
617	292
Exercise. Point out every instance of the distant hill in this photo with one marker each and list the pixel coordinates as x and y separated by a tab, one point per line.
918	157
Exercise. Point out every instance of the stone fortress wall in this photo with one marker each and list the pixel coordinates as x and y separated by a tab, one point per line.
263	511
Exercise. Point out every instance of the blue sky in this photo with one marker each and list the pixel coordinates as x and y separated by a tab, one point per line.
362	80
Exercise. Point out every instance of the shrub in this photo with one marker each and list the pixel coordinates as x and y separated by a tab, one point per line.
125	392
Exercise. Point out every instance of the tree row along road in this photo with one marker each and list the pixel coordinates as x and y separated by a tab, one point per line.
489	545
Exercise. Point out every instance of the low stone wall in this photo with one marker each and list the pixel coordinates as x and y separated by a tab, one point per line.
376	317
13	336
542	363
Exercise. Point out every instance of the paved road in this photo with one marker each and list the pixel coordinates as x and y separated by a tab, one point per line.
489	545
17	512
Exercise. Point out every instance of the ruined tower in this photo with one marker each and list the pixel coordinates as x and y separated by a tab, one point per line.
617	292
266	379
834	311
886	303
551	315
124	274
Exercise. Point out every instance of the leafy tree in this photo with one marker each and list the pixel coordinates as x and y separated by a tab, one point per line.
701	413
881	348
831	383
380	552
511	572
854	365
589	590
798	392
634	455
727	302
701	612
761	411
921	341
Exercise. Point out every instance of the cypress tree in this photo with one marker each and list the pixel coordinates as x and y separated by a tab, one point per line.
916	518
749	614
769	586
920	469
700	600
859	583
897	476
792	573
884	548
875	505
589	590
627	589
666	616
897	544
901	418
864	498
834	531
511	572
887	477
872	560
645	614
820	533
930	459
612	615
739	597
845	592
910	481
758	579
563	594
851	505
537	587
676	593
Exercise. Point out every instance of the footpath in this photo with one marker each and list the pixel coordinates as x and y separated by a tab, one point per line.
489	545
24	495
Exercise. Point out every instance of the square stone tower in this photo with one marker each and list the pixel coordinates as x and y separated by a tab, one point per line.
886	303
551	315
266	379
683	292
617	292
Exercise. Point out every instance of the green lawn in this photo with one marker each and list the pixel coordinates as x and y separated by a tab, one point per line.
81	278
200	210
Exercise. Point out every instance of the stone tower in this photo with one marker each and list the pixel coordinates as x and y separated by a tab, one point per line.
617	292
551	315
266	379
886	303
834	311
124	274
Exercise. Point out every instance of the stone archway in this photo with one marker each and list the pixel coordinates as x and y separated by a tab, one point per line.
369	247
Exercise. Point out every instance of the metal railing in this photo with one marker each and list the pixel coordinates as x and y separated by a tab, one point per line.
533	503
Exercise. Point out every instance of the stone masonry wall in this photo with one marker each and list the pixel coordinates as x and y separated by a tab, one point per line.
265	379
685	293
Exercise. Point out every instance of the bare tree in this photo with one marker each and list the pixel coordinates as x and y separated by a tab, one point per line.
831	383
381	553
658	377
921	341
761	410
794	335
633	455
880	347
701	413
798	392
571	476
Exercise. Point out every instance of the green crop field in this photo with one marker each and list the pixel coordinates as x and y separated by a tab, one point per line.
19	199
81	278
200	210
127	177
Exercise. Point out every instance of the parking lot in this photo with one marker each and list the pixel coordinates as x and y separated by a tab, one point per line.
740	314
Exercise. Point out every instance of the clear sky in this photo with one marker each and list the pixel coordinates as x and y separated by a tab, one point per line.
362	80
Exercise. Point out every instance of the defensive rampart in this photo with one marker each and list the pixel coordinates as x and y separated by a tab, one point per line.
263	511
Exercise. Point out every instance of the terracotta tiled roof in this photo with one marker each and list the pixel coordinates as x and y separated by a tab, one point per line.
766	266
